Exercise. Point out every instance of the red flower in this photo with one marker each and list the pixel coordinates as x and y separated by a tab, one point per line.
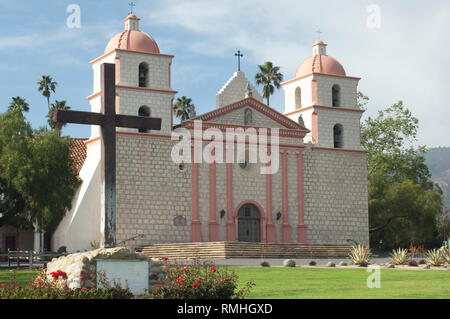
159	286
195	285
213	269
197	279
81	278
186	269
84	288
3	285
165	258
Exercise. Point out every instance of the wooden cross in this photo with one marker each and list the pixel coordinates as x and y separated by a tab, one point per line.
239	55
108	120
131	4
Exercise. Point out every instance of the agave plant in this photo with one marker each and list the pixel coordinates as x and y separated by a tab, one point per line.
434	257
399	256
445	254
360	255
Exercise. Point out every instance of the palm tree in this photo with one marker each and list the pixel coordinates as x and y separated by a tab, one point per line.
183	108
46	84
17	103
267	76
58	105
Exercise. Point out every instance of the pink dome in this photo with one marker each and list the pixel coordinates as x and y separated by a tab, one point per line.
133	40
320	64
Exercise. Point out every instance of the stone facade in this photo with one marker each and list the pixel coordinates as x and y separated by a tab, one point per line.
235	89
318	194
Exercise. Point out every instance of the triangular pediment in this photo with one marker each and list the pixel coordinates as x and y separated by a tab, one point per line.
262	116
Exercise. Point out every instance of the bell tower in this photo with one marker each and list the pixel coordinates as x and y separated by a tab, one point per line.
143	77
324	98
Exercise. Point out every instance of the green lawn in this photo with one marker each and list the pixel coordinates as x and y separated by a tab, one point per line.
298	283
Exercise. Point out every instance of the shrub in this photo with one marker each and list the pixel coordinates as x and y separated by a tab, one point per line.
412	263
198	281
399	256
56	288
434	257
265	264
360	254
289	263
312	263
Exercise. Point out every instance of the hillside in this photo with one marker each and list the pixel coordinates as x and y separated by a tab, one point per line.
438	161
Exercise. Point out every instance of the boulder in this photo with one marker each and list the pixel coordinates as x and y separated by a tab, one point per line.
81	267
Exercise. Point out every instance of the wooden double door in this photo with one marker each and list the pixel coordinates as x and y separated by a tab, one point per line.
249	224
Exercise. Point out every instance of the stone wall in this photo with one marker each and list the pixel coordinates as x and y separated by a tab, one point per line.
151	192
335	195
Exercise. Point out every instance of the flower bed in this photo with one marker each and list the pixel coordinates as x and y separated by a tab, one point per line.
56	287
198	281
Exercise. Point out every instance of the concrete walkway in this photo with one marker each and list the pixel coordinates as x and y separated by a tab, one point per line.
298	261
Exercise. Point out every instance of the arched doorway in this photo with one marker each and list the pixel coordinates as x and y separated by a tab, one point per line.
249	223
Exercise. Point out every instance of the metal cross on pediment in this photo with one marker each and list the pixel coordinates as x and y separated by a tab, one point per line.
108	120
239	55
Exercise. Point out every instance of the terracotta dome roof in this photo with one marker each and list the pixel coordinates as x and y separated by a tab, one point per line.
320	64
133	39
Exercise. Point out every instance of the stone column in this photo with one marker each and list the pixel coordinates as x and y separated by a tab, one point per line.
231	228
301	228
213	224
286	228
270	226
196	224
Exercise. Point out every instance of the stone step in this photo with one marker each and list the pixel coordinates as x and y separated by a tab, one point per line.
244	250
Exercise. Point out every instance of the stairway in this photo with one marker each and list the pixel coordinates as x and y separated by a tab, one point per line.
224	250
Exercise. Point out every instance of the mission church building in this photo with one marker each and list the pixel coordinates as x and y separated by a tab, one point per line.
318	194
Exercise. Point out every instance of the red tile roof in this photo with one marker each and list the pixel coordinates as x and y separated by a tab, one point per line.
78	153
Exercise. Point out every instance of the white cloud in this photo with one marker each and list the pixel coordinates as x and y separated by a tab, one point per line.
405	59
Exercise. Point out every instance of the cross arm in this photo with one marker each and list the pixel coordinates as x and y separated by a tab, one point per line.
141	122
79	117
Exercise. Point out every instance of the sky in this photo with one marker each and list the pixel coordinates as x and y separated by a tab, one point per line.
399	49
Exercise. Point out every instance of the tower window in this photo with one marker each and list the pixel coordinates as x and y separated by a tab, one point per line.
298	98
143	74
338	133
336	95
144	110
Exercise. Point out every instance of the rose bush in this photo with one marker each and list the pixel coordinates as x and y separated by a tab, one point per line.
55	287
198	281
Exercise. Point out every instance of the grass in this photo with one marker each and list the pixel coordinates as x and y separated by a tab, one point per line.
320	283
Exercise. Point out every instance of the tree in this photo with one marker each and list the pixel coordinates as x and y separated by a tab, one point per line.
46	84
58	105
268	77
183	108
37	175
403	201
19	103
